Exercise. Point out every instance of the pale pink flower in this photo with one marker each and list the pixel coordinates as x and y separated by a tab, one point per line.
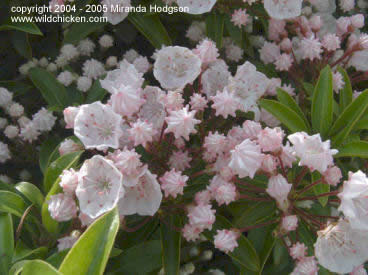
240	18
312	152
181	123
306	266
197	6
29	132
202	216
225	193
358	21
284	62
270	140
332	175
252	129
70	114
154	113
173	183
99	186
269	52
126	100
315	23
338	82
279	188
143	199
347	5
215	78
269	164
62	207
69	181
207	51
127	161
359	270
354	200
142	132
289	223
226	240
85	220
175	67
173	100
180	160
198	102
331	42
215	143
246	159
283	9
311	48
225	103
115	17
66	242
287	155
343	23
286	45
276	28
298	251
191	232
69	146
203	197
340	248
98	126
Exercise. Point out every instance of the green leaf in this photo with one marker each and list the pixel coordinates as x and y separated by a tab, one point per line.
48	152
17	267
215	28
362	124
38	267
79	30
235	33
56	168
31	192
255	213
152	28
322	103
349	117
345	94
57	258
22	252
24	27
53	92
140	259
353	149
320	188
289	102
285	114
90	253
95	93
12	203
6	242
306	236
244	254
171	245
21	44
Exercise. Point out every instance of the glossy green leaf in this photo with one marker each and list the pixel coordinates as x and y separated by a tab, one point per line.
362	124
322	103
285	114
215	28
255	213
17	268
244	254
48	152
289	102
56	168
90	253
22	252
353	149
6	242
38	267
140	259
53	92
320	188
95	93
24	27
306	236
80	30
236	33
21	44
152	28
12	203
345	94
171	245
31	192
349	118
57	258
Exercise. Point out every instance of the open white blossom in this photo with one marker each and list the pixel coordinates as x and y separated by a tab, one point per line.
283	9
98	126
99	186
175	67
115	17
197	6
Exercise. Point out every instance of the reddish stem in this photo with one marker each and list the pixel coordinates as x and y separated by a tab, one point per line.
242	196
282	167
136	227
258	225
334	193
301	175
308	187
